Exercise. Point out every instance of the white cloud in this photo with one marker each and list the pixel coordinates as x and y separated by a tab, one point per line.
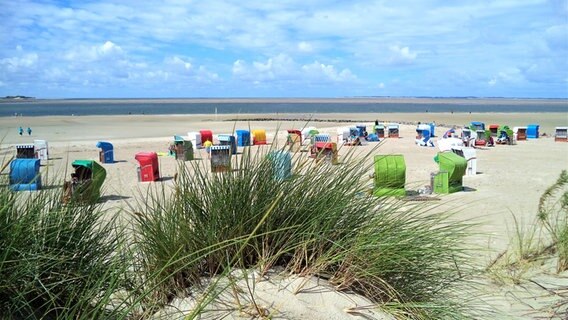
107	50
178	62
401	55
283	68
320	71
21	62
304	46
509	76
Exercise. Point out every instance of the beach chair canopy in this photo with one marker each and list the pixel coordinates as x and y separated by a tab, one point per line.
295	131
41	149
353	132
228	140
182	148
390	175
532	131
453	164
195	138
281	164
107	155
148	166
243	138
24	174
91	175
306	132
361	128
477	125
258	136
206	135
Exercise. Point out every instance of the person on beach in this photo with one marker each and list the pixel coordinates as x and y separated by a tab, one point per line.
21	131
207	144
29	131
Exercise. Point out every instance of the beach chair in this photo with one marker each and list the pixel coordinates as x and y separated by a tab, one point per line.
342	135
86	182
506	136
393	130
480	139
389	176
561	134
326	151
520	133
25	151
220	158
148	168
470	155
258	137
41	149
449	178
294	139
228	140
362	129
380	131
24	175
106	154
195	138
183	149
494	129
533	131
243	138
281	164
466	136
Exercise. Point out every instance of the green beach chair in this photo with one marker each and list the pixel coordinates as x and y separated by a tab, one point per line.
390	175
450	177
86	182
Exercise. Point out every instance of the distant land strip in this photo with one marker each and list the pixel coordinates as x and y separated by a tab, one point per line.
329	120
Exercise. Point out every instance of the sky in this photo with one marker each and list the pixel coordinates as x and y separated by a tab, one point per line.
284	48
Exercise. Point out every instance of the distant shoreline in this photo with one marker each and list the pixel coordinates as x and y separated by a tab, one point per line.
351	100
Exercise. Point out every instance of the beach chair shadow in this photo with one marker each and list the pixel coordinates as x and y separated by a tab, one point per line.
113	197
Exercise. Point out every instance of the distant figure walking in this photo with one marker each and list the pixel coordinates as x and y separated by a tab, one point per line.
29	131
21	131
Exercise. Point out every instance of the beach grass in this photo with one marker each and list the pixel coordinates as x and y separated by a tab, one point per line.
57	261
320	222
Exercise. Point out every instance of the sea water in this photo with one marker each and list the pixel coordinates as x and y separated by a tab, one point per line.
187	106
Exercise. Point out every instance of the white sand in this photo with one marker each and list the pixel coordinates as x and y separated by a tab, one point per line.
511	179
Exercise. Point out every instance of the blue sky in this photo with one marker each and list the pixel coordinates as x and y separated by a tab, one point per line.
284	48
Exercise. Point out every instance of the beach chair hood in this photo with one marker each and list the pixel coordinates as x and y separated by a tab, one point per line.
24	174
390	175
96	173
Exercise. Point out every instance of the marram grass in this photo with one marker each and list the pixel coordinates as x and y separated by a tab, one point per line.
321	221
56	261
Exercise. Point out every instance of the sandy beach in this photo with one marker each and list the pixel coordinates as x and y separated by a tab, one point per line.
510	181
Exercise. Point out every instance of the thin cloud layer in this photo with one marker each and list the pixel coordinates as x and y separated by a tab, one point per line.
289	48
